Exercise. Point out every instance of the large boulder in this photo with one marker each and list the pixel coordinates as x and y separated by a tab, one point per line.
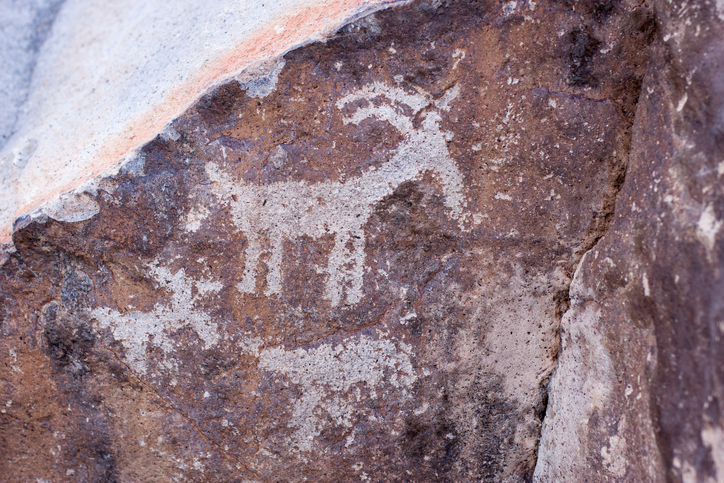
352	260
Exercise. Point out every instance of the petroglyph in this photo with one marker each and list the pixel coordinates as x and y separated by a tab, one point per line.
331	377
293	209
138	331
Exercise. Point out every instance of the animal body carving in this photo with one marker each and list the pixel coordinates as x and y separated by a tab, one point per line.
287	210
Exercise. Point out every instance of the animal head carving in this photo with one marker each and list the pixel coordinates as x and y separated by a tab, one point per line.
269	214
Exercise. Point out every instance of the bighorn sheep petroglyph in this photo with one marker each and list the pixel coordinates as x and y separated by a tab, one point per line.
292	209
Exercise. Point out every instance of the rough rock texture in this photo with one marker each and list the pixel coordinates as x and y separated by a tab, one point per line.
351	270
639	390
354	266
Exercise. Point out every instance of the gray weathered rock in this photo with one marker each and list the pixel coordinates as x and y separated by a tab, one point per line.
24	25
114	73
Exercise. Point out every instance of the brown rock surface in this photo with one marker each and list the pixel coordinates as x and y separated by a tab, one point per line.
356	268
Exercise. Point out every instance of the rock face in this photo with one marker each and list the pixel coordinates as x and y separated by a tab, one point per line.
353	264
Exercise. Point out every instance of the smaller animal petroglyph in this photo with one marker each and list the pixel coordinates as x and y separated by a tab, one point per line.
137	330
327	375
293	209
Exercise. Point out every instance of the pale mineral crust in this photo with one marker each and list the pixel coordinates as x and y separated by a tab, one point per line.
356	264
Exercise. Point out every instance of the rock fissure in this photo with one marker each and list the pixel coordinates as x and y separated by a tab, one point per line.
588	244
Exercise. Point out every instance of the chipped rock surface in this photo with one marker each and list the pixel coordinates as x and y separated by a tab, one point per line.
355	262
